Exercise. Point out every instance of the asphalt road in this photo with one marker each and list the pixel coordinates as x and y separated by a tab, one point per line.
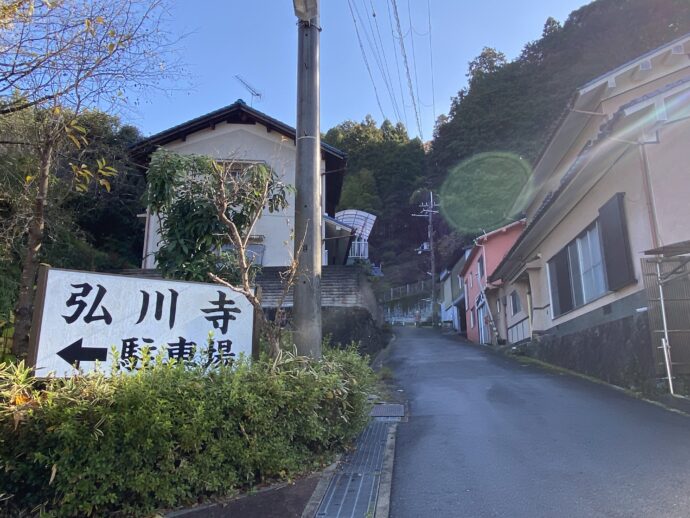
488	436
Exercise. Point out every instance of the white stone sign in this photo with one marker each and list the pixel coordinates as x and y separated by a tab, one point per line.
82	318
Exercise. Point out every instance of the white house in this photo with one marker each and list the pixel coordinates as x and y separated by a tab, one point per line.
243	134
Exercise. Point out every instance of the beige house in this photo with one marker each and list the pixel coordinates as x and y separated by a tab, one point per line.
452	292
241	134
612	183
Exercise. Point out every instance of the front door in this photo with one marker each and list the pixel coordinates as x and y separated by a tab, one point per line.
483	323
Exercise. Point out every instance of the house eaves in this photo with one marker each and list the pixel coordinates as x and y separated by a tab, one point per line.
484	238
643	63
585	103
240	113
500	230
655	100
237	112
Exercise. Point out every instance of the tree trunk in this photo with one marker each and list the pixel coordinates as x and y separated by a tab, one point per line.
24	308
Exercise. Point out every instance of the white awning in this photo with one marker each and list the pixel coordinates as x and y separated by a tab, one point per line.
361	221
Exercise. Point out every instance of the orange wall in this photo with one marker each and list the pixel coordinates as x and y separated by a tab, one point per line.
492	248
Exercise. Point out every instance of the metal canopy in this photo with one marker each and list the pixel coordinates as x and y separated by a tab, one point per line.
361	221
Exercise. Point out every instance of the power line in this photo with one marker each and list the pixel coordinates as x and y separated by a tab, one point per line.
431	62
391	88
407	68
397	63
377	56
366	61
414	57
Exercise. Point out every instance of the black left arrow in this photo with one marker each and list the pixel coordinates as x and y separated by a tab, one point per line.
75	353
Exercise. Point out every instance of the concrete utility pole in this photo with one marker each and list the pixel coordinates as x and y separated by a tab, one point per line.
427	210
308	210
432	255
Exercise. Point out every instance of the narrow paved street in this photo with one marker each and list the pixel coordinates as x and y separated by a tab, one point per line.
488	436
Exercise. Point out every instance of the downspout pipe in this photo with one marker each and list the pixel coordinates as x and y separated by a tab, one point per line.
649	193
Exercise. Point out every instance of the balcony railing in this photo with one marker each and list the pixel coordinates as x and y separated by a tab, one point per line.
359	250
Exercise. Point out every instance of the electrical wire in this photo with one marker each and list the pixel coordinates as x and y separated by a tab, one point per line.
366	61
407	68
431	62
414	57
391	88
374	48
397	63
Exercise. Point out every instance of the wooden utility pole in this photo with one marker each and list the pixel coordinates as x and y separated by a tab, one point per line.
308	210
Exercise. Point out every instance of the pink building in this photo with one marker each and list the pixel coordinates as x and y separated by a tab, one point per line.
486	255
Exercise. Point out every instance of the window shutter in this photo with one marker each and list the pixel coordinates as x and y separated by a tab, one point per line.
615	244
561	290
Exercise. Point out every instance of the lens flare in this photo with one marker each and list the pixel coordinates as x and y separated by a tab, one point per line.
485	191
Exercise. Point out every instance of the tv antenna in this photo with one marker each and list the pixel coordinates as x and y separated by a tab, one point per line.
253	91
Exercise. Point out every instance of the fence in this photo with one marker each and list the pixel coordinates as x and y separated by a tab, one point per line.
408	290
420	312
667	282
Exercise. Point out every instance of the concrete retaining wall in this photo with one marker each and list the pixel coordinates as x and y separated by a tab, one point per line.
618	351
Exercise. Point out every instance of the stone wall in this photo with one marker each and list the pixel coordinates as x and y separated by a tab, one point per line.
617	351
344	325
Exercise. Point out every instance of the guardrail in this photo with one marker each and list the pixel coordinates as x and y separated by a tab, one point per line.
401	292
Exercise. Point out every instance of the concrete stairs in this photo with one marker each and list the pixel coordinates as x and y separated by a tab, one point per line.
340	287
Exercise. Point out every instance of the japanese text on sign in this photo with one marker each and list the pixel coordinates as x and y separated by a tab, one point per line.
86	318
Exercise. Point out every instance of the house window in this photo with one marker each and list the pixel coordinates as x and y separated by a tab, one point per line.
596	261
515	304
236	167
480	267
255	253
470	278
472	318
591	264
498	307
576	273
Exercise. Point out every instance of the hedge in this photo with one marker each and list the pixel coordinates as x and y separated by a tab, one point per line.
171	434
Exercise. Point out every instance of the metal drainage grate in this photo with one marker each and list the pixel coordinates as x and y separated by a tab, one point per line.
386	410
353	490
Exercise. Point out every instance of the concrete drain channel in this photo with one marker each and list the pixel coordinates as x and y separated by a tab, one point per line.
356	483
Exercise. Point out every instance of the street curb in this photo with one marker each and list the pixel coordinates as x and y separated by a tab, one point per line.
383	500
378	361
676	404
317	496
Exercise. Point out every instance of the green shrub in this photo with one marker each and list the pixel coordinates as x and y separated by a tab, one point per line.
171	434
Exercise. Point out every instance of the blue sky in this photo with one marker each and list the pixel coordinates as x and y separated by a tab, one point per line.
258	41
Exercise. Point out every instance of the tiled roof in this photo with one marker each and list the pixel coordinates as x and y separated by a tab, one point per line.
220	115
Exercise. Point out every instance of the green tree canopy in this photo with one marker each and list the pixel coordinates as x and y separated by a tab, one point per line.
360	192
396	164
512	106
184	191
488	62
91	229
